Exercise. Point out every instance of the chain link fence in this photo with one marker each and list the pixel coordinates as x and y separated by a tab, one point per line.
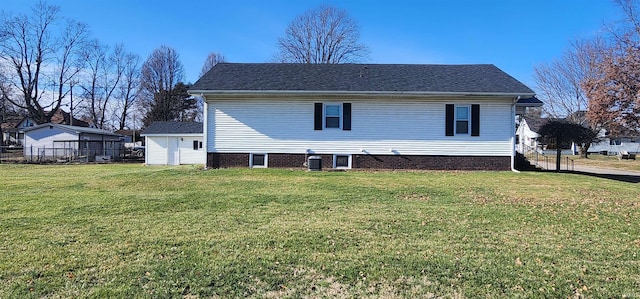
84	151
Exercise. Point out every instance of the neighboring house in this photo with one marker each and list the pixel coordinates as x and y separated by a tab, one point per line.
387	116
174	143
528	139
11	129
527	134
52	142
609	145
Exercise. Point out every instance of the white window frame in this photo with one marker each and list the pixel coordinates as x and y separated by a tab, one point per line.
266	160
455	119
335	161
324	115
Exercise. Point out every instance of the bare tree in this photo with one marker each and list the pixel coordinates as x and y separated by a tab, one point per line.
159	75
41	48
322	35
212	59
161	71
104	72
128	90
559	82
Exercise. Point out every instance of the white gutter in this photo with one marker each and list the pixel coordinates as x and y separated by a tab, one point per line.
205	130
173	135
513	136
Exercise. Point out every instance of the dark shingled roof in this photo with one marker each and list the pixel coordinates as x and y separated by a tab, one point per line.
471	78
535	123
532	102
173	127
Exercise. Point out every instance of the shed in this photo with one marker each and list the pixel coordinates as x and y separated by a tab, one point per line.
53	142
174	143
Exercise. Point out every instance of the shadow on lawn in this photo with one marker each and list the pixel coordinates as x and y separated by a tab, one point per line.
616	177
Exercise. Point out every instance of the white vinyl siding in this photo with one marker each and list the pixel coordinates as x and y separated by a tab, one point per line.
187	154
156	150
173	150
379	127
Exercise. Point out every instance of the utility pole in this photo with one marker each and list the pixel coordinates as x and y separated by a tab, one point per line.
71	105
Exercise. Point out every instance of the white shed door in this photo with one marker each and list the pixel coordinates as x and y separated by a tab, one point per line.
174	154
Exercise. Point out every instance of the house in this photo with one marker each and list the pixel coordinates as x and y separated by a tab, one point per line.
385	116
614	145
527	134
9	128
12	127
55	142
528	138
174	143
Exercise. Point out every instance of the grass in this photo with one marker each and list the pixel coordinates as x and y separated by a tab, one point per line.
133	231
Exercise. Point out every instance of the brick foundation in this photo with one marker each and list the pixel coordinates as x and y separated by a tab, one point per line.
431	162
219	160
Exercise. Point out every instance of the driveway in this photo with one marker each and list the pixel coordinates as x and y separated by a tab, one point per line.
608	173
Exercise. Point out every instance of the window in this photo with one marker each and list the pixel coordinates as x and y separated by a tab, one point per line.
197	145
342	161
258	160
332	116
27	123
462	120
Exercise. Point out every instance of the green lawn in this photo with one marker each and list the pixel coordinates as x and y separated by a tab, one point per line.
133	231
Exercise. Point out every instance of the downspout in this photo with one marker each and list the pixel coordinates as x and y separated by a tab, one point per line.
513	136
205	135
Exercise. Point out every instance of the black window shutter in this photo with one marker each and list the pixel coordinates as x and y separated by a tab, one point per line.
317	116
475	120
449	120
346	116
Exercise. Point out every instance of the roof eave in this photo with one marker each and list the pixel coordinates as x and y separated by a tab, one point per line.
68	129
172	134
252	93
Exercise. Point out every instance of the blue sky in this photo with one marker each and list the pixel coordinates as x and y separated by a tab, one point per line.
515	35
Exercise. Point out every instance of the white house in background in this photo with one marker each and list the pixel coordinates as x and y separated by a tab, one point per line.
528	140
174	143
610	145
56	142
13	127
388	116
527	134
